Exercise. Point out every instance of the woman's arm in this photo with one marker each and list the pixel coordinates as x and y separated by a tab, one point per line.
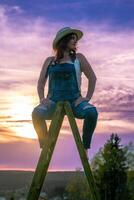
89	73
42	78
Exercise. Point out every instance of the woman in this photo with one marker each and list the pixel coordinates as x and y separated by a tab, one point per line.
64	72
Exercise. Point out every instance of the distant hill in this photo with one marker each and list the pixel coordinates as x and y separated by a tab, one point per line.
12	179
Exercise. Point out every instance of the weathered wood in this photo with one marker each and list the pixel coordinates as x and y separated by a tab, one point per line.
62	108
46	153
80	147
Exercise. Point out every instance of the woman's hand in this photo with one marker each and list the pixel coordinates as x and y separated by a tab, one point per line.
79	100
45	101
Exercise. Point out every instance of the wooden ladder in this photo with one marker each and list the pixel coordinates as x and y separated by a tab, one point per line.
62	108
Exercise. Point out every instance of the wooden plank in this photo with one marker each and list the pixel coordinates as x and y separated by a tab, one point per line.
82	153
46	153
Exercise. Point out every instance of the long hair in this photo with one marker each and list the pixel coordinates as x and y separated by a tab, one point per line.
61	47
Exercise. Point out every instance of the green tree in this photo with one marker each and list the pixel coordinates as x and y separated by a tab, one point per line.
111	173
129	150
97	160
130	183
77	187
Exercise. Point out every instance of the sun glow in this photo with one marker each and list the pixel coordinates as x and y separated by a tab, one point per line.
24	130
20	110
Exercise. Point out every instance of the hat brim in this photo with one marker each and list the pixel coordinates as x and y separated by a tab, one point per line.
78	32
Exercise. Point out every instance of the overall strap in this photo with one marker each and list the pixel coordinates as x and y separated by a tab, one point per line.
46	75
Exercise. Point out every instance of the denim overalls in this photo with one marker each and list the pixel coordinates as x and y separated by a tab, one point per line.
63	86
63	82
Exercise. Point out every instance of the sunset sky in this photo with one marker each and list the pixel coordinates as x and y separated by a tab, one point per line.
27	29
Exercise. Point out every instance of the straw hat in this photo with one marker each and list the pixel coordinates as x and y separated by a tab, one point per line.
65	31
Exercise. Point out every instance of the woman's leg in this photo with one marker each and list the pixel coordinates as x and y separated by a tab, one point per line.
89	125
39	114
89	113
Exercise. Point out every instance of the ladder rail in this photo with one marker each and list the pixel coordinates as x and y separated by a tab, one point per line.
46	153
86	166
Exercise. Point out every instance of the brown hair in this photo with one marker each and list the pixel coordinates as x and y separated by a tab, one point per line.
61	46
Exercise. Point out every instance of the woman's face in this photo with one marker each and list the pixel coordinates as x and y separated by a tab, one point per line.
73	42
